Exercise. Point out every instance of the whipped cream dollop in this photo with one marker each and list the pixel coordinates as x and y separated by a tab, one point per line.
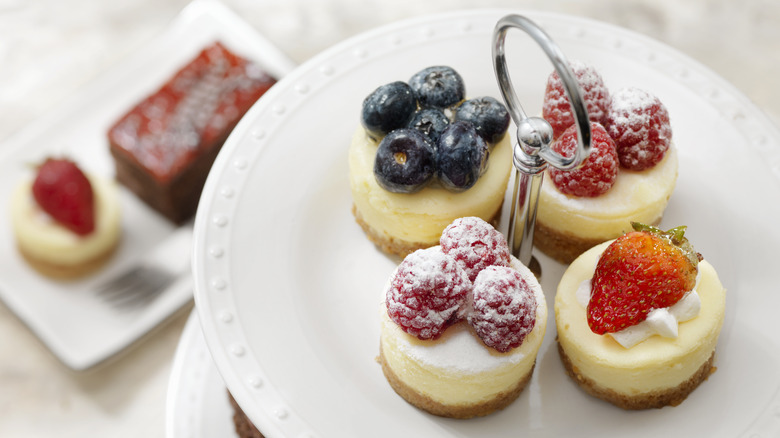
663	321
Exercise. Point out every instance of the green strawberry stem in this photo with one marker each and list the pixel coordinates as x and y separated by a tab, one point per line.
675	236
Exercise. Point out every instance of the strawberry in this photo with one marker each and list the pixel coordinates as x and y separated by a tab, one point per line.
639	124
556	108
63	191
640	271
504	308
598	172
426	292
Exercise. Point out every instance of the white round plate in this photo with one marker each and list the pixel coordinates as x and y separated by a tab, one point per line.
197	404
287	284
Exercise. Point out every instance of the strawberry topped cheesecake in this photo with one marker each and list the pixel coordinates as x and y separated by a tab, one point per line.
461	324
639	318
424	156
629	175
66	223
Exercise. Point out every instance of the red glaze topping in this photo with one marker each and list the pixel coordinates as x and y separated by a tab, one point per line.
194	111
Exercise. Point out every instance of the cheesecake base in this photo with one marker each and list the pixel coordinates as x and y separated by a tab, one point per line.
460	411
65	271
393	245
655	399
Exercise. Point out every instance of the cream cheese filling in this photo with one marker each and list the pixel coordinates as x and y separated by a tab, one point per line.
421	217
636	196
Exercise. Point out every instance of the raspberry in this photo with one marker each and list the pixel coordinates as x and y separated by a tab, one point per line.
504	308
597	174
639	124
557	109
474	244
426	292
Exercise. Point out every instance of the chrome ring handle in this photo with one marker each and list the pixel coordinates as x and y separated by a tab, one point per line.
533	153
533	131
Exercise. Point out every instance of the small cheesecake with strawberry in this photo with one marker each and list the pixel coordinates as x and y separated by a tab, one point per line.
629	176
639	317
66	223
461	324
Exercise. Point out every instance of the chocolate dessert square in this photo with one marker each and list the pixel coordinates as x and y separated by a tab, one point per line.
164	147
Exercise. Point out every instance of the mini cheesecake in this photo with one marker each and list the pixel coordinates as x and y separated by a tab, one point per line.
400	223
55	251
658	371
457	375
566	225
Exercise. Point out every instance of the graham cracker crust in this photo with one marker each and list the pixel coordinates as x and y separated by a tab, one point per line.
562	247
386	243
463	411
244	427
565	247
657	399
399	247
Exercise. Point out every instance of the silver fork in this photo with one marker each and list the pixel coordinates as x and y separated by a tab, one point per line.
142	283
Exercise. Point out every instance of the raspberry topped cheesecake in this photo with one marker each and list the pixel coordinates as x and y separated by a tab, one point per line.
424	156
639	318
66	223
630	175
461	324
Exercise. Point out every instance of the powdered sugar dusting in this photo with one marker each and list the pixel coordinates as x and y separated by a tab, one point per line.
631	107
460	350
599	171
426	292
639	124
556	108
504	308
474	244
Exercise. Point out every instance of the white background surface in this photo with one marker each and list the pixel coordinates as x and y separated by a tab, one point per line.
50	49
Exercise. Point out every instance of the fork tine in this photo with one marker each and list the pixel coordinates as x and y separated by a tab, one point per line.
135	287
119	283
138	298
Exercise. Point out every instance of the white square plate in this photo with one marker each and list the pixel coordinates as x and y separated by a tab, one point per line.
79	327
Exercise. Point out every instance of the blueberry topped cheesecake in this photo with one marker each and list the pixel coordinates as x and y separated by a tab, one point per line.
424	156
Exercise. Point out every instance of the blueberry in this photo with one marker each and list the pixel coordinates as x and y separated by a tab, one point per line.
438	86
489	117
461	156
431	122
405	161
388	107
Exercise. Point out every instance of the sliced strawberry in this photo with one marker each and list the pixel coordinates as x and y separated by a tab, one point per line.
426	293
63	191
598	172
504	308
640	271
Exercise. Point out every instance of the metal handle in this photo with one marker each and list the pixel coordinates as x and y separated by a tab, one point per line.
533	153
